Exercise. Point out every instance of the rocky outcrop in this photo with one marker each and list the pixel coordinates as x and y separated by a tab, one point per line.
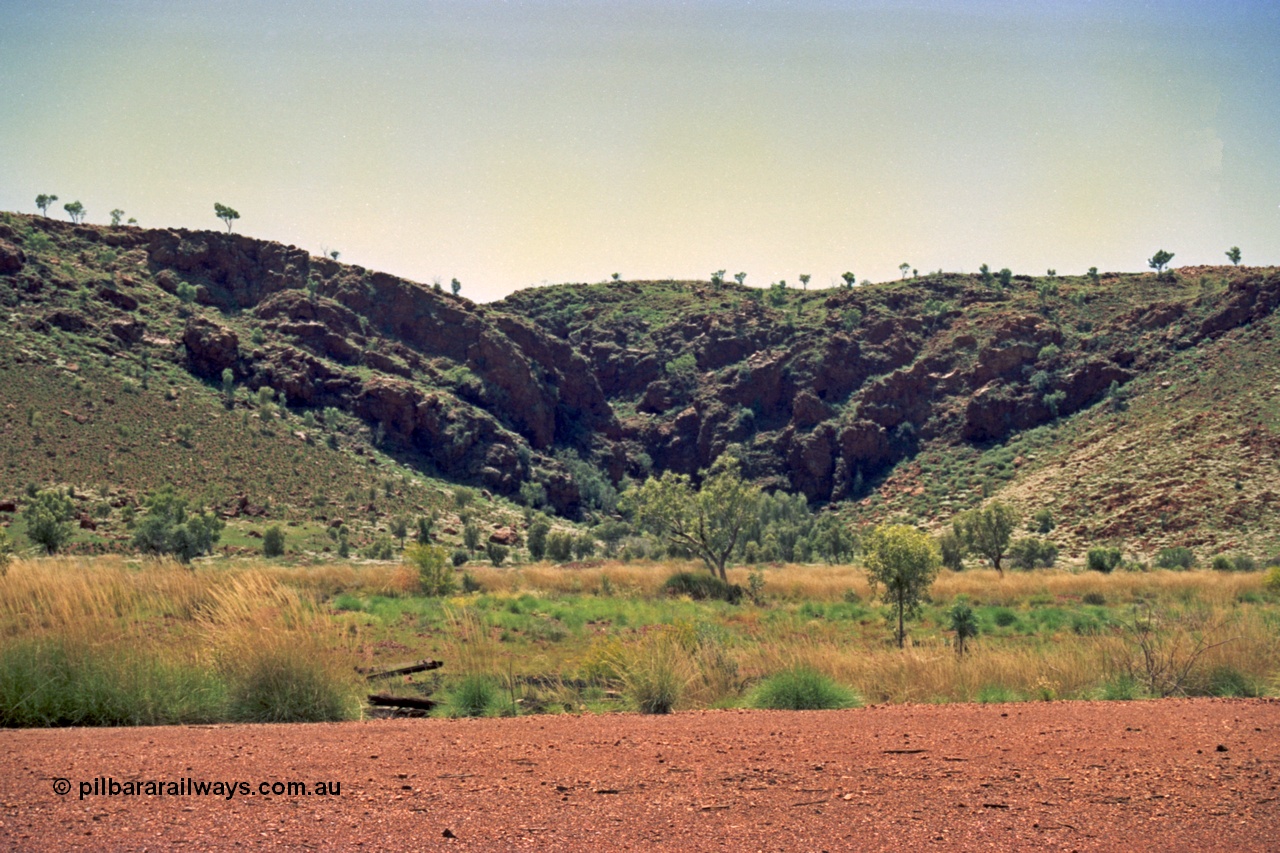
11	258
127	330
237	271
211	348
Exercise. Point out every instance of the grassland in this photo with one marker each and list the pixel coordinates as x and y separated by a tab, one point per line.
110	641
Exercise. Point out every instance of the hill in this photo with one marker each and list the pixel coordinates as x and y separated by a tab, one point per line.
1140	409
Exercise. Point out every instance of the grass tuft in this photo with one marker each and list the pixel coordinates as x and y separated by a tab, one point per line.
802	689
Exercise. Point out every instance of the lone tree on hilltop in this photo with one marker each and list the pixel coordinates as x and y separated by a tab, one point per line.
717	279
904	268
43	201
708	521
739	277
226	214
804	280
455	286
987	531
116	216
76	211
1158	261
849	279
1233	255
904	561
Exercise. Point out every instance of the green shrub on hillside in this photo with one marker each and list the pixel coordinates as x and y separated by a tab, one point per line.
537	537
46	517
273	541
168	528
1103	559
559	547
1033	553
1175	558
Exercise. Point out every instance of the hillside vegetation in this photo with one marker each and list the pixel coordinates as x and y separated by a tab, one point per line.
1140	410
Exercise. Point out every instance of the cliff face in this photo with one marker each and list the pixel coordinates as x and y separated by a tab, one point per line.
827	391
824	392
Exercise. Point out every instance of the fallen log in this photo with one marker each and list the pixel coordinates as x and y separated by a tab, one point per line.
417	666
417	703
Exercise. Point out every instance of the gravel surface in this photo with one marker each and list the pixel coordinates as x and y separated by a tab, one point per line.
1171	775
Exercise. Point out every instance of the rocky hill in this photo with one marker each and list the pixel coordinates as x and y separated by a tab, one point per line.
1138	407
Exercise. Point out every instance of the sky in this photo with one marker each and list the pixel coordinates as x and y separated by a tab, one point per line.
511	144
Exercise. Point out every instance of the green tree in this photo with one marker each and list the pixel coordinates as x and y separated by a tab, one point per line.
75	210
168	528
1233	255
455	286
47	516
708	521
849	279
43	201
533	494
1158	261
1006	277
116	216
739	277
584	546
1093	274
964	623
471	536
228	387
226	214
951	547
399	528
717	279
904	268
423	534
537	538
435	574
559	547
987	531
904	561
273	541
804	280
496	553
1042	521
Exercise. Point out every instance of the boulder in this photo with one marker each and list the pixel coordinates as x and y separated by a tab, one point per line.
211	348
11	258
127	329
504	536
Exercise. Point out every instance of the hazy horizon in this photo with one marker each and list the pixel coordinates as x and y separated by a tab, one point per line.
514	144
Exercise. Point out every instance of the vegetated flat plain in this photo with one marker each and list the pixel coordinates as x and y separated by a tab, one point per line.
110	641
1179	774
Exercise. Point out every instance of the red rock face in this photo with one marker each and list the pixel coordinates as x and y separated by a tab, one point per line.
211	348
11	258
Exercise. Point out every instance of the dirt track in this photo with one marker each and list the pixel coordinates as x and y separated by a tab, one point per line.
1173	775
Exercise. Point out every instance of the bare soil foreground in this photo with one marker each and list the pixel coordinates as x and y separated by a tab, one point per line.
1171	775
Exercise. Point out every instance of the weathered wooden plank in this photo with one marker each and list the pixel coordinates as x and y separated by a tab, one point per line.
407	669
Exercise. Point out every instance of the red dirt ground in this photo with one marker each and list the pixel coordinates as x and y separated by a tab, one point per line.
1172	775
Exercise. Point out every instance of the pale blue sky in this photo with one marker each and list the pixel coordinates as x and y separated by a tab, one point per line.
514	143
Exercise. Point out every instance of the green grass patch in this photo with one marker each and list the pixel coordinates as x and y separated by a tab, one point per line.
802	689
